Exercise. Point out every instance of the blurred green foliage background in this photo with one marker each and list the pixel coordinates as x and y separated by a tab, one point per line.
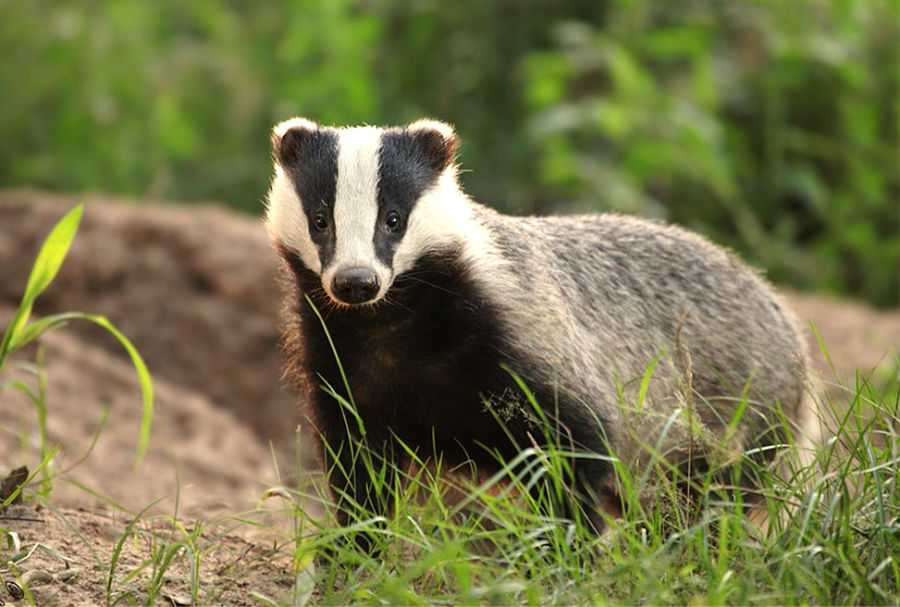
771	125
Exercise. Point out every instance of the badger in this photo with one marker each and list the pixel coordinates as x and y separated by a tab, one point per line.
449	321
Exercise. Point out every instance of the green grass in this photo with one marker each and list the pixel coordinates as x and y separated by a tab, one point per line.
833	536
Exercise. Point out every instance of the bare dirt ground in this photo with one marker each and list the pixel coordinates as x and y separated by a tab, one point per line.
71	564
195	288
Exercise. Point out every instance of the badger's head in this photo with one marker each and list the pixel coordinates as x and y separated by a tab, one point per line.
358	206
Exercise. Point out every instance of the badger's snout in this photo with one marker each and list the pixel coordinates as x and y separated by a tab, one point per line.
355	285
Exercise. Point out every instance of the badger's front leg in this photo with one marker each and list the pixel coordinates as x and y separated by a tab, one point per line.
361	473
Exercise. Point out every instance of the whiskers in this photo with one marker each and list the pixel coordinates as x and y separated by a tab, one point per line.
412	276
387	301
327	306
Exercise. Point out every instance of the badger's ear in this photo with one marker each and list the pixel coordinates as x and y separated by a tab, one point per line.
288	137
436	141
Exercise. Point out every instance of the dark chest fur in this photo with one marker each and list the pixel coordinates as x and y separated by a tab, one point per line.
425	366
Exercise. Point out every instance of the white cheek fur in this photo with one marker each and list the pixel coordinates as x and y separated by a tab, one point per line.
442	217
286	221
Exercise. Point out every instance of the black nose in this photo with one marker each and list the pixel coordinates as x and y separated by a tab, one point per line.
355	285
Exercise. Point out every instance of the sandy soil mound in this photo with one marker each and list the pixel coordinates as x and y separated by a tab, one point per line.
197	450
193	287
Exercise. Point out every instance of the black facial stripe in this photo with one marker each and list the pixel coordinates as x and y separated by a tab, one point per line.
314	172
404	174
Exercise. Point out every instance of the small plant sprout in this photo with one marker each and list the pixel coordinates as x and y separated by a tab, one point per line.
22	331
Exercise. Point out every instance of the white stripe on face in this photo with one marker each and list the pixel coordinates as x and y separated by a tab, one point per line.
356	200
356	207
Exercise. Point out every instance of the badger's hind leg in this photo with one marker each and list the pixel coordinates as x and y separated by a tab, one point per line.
796	465
578	485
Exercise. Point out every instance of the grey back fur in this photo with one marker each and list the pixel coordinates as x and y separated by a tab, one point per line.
595	300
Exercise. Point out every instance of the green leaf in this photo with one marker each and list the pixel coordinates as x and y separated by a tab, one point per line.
52	253
45	268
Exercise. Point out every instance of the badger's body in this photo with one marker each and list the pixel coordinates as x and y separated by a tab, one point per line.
436	304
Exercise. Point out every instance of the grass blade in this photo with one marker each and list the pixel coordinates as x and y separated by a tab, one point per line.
46	266
144	378
39	327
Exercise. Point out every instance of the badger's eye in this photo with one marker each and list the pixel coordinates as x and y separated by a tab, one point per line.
320	223
393	222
